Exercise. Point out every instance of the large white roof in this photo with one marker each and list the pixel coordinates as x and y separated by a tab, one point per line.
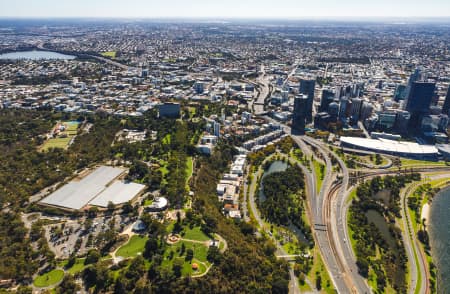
77	194
390	146
117	193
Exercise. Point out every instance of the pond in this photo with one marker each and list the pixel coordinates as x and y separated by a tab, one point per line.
35	55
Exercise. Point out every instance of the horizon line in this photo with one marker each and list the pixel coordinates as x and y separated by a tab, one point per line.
221	18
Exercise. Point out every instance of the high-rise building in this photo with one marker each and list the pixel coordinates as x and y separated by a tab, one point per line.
307	88
402	121
169	109
356	108
199	87
343	108
418	102
216	127
327	97
366	110
300	113
400	93
413	78
446	106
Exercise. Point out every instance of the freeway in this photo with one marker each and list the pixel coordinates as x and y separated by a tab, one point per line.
341	266
264	92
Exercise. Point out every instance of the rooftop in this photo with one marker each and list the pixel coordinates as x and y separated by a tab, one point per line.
390	146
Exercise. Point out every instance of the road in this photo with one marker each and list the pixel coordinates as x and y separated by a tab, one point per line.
328	209
100	58
264	92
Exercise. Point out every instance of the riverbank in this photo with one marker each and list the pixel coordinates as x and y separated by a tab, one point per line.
439	233
425	213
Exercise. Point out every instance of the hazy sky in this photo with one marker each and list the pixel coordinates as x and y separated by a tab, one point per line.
224	8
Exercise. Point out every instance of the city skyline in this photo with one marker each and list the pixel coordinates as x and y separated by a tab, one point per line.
225	9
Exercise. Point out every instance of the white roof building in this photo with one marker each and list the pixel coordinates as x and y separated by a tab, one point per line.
399	148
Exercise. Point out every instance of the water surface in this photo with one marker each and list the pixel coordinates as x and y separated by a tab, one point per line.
35	55
439	231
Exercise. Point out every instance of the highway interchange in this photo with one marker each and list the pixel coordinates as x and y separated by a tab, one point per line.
328	209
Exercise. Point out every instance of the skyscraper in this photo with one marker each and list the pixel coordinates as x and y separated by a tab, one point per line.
300	113
446	106
418	102
327	98
307	88
356	108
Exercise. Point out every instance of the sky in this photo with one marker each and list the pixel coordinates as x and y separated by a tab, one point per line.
225	8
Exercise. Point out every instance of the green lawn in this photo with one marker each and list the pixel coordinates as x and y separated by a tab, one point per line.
319	266
71	131
195	234
200	253
148	202
167	139
411	162
76	268
319	174
56	143
134	247
110	54
51	278
189	168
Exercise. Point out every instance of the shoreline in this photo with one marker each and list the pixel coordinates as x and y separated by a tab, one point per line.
436	257
425	214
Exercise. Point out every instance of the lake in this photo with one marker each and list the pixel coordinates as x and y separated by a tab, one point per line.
35	55
439	230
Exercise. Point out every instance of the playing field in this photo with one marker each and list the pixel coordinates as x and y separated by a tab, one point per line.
62	141
134	247
110	54
50	278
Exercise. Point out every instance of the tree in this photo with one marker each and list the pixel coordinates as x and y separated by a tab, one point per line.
92	256
68	285
189	254
111	206
177	267
319	282
92	212
363	267
151	247
214	254
280	285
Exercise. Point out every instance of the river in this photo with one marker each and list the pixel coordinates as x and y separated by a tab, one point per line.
439	231
35	55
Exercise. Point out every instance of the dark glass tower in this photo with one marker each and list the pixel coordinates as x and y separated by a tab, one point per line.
446	106
307	88
299	115
418	102
327	97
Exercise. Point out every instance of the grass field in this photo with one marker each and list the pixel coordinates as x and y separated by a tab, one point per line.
71	131
148	202
109	54
420	163
167	139
134	247
319	266
195	234
200	253
76	268
51	278
319	174
189	168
